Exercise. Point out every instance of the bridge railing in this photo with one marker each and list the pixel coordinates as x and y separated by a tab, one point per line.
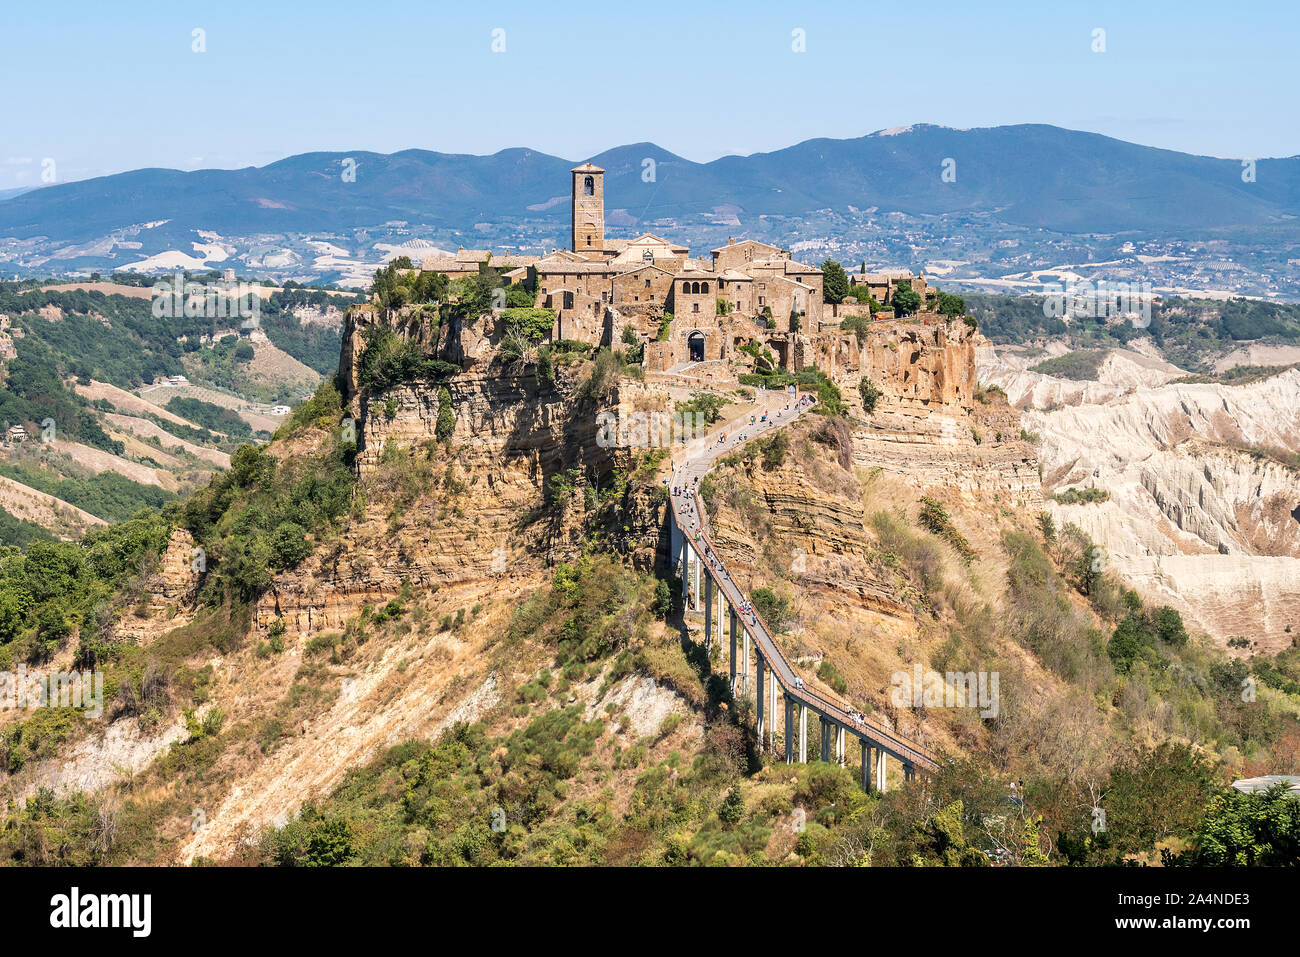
819	702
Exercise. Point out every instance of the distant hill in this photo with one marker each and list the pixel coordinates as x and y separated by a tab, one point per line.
1028	175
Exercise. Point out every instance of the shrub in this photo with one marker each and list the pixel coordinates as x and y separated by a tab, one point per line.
870	395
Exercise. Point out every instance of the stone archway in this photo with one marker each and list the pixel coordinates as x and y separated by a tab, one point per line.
695	346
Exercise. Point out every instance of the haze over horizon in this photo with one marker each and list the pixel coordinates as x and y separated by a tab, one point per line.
699	82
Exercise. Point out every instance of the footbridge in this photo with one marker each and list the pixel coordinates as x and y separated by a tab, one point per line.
708	586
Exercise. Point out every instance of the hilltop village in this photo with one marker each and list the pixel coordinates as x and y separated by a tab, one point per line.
684	309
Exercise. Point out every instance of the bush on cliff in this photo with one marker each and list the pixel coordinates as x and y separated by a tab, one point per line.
389	360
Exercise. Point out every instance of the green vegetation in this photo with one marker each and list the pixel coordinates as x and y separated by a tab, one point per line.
525	328
1080	365
835	282
1138	631
446	415
314	344
1246	830
607	367
400	284
54	585
870	395
33	393
1191	333
934	518
774	608
1081	496
706	405
210	416
906	301
830	401
665	327
256	518
20	532
827	673
949	305
388	360
108	495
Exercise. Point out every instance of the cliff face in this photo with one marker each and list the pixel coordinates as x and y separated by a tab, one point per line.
500	497
928	426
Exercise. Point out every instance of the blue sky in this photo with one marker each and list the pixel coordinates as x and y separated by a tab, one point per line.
103	87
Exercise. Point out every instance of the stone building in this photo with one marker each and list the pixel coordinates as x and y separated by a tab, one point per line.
746	291
881	285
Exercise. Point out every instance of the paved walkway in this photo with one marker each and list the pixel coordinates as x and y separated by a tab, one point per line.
689	513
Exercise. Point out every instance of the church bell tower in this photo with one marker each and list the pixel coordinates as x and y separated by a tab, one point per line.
588	209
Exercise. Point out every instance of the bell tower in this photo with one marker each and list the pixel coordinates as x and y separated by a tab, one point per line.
588	209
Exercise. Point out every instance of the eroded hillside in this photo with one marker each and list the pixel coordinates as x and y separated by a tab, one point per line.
1202	489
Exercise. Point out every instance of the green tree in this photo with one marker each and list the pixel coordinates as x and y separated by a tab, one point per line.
835	282
870	395
15	604
1243	830
1169	626
1088	567
446	414
1153	794
732	809
772	607
1047	527
289	545
939	840
906	300
950	305
707	404
1126	642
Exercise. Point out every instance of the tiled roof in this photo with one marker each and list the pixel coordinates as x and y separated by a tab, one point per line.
560	267
446	264
642	267
742	242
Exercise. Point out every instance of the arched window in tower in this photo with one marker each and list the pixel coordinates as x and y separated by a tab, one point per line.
589	186
704	287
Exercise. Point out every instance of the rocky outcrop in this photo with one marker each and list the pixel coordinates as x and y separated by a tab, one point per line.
169	594
480	504
928	426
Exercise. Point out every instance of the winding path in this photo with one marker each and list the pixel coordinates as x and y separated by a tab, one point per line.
692	523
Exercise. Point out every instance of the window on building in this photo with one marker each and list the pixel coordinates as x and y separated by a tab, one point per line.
704	287
760	300
647	283
589	186
695	307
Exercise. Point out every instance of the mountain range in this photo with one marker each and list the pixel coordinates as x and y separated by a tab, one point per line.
1021	182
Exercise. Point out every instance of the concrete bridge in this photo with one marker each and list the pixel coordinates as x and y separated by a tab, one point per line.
707	586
